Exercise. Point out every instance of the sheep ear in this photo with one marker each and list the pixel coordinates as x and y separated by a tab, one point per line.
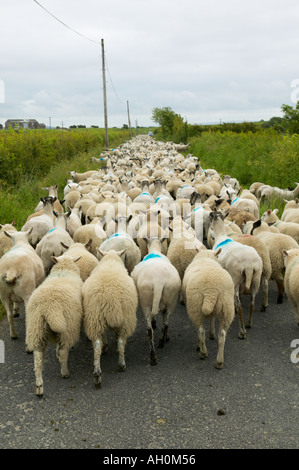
102	253
8	234
217	253
64	245
54	259
285	253
269	211
87	245
76	259
121	252
275	211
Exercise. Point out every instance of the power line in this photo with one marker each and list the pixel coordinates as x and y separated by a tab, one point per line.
64	24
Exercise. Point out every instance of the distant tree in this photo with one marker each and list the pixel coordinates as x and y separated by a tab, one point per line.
169	121
125	126
291	117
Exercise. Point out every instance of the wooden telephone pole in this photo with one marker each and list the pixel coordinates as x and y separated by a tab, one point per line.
129	120
105	97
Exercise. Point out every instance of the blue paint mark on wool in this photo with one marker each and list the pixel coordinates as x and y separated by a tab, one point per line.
151	256
142	194
235	200
118	234
52	230
197	208
225	242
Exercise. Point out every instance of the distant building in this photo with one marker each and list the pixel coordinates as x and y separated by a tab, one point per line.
24	124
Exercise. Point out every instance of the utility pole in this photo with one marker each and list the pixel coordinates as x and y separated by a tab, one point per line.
105	98
129	121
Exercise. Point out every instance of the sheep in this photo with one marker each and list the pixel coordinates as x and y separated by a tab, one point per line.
21	271
288	228
52	192
263	251
288	194
73	220
158	284
182	250
291	262
291	211
41	224
54	314
120	241
244	265
151	228
276	243
86	260
78	177
94	232
110	301
245	204
71	198
209	293
50	244
5	241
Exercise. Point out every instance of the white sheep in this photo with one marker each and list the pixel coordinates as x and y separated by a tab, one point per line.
244	265
288	228
158	284
5	241
276	243
21	271
78	177
86	260
208	290
73	220
54	314
41	224
50	244
94	232
122	241
291	262
291	211
110	301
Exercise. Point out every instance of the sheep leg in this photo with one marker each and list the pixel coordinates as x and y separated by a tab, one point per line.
97	347
238	305
38	369
280	288
212	334
164	338
221	343
150	335
121	343
265	288
201	345
9	310
62	356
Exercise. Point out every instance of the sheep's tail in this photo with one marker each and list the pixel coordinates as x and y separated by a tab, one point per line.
208	304
248	273
10	277
158	289
57	323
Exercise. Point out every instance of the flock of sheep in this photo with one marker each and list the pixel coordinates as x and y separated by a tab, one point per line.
147	228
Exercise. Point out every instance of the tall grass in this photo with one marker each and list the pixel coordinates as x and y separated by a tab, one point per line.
266	156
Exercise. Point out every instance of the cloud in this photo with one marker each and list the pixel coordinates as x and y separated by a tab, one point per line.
205	60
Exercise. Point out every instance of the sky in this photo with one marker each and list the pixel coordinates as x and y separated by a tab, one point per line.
209	61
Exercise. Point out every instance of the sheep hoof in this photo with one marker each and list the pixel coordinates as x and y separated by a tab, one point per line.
154	324
242	334
121	367
264	308
97	382
280	299
203	355
219	365
39	391
161	343
248	325
153	359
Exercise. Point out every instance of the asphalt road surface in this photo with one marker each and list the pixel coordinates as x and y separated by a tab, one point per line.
181	403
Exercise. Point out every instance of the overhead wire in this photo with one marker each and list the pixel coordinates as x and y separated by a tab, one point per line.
83	36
